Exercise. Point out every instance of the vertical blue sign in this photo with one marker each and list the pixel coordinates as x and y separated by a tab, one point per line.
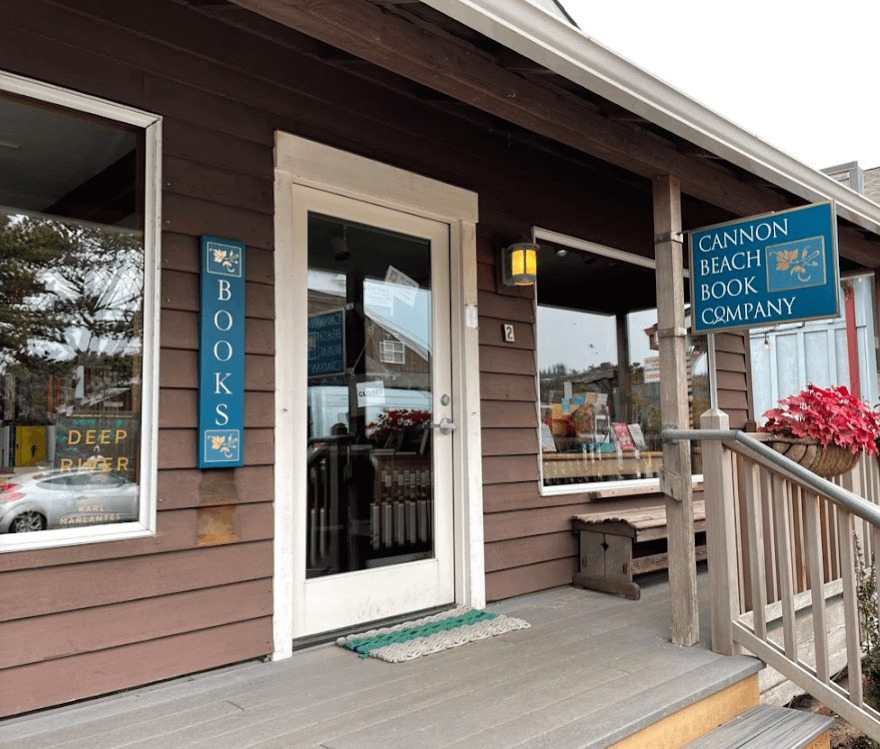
765	270
221	354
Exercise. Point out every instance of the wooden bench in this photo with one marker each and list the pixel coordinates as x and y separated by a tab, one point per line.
615	545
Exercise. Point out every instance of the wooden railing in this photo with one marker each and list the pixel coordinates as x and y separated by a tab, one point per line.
783	559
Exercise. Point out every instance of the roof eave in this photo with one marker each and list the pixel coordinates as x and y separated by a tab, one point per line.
539	35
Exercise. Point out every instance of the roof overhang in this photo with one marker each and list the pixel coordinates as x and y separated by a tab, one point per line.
539	35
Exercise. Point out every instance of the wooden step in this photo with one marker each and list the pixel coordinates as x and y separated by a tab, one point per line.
768	727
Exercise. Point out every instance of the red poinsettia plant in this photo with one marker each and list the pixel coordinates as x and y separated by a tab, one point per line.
393	421
830	415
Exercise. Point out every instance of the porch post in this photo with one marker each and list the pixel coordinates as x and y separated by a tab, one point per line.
720	534
675	477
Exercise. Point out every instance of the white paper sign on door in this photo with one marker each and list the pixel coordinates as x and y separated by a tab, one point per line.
370	393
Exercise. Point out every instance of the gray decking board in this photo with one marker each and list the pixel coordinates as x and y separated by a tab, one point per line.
342	716
158	732
601	716
766	727
591	669
86	718
569	689
609	724
493	680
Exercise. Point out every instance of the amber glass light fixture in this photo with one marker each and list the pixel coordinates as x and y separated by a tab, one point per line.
520	263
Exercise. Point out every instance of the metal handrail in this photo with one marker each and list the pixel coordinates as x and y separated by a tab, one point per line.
852	502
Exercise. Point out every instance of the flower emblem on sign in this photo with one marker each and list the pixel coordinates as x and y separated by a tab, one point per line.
798	262
227	258
224	444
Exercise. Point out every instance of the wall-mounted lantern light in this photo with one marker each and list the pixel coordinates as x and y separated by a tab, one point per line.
520	264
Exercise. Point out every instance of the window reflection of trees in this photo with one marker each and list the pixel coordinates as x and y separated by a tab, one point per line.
70	310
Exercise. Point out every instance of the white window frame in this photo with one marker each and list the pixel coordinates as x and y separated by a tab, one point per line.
599	487
392	351
151	124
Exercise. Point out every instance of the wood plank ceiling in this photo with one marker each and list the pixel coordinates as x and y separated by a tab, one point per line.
463	72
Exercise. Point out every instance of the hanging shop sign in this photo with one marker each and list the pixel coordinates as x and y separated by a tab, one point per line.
221	354
765	270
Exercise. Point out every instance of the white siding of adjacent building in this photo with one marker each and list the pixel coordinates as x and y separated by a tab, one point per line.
816	352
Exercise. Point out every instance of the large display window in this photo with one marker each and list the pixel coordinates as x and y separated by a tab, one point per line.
78	227
599	370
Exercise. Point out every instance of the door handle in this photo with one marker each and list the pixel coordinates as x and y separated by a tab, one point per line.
445	426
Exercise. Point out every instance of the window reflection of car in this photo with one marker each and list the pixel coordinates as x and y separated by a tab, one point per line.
65	499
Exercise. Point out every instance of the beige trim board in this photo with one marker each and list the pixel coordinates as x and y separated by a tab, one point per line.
313	164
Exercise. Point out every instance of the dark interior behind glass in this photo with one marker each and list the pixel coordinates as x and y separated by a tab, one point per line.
370	470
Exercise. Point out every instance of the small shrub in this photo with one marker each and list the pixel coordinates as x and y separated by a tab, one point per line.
866	577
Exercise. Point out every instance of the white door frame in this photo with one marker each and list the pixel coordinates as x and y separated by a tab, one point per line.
330	602
304	162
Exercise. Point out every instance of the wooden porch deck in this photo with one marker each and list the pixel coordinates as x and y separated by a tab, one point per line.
592	669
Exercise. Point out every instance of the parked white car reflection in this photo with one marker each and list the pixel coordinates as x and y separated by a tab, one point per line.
65	499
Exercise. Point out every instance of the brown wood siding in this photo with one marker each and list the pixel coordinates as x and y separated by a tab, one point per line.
176	532
50	637
734	378
510	441
515	581
528	539
79	675
70	587
114	615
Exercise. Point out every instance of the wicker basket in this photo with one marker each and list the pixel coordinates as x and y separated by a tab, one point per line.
827	462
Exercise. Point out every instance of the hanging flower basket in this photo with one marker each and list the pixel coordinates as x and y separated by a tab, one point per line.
823	429
829	461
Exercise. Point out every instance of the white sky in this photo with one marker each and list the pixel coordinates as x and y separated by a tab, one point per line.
799	74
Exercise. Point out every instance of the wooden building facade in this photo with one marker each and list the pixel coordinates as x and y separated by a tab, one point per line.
254	99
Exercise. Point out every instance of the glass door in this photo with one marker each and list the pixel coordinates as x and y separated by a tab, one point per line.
376	505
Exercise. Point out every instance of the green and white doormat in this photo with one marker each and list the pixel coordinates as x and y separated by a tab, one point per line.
431	634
